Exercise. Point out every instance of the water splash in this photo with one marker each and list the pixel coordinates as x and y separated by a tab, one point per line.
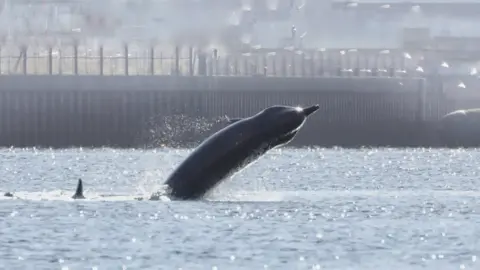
177	130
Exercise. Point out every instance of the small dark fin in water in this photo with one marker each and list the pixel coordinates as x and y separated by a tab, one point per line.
232	120
8	194
79	192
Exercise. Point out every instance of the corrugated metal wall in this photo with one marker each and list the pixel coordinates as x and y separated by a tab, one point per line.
56	112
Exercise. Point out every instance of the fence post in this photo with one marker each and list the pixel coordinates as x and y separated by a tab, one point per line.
265	65
101	60
312	64
177	61
274	66
304	68
190	62
202	63
50	61
75	58
215	62
126	58
60	64
152	60
24	53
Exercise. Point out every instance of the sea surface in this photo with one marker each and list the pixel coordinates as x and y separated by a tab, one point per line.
293	209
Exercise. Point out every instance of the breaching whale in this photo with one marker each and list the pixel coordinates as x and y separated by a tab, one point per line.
232	148
460	128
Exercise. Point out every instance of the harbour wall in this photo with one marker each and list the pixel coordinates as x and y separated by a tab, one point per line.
137	111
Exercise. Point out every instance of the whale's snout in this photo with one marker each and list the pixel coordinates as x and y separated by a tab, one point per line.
309	110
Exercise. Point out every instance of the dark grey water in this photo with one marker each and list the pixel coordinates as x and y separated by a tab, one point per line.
294	209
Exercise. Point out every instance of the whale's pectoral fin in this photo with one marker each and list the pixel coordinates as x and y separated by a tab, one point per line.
79	192
232	120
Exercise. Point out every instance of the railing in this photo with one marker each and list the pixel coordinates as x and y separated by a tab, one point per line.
157	60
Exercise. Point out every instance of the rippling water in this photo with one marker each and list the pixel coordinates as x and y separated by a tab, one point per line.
293	209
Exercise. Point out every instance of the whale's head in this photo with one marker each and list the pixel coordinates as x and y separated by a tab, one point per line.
285	120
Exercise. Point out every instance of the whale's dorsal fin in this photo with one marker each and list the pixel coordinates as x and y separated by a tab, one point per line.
79	192
232	120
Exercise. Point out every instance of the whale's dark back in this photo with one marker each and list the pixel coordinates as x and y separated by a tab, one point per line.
218	157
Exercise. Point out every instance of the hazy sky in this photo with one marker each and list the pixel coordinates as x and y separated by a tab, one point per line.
204	21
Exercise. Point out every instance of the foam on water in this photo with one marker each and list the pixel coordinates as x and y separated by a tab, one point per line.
245	196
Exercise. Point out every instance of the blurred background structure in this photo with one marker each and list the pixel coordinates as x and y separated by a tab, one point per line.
240	37
204	58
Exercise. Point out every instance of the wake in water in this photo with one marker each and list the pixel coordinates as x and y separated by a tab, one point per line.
66	195
240	196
